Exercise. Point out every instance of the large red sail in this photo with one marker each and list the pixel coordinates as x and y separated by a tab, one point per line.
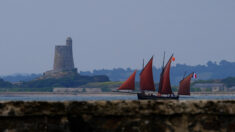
146	77
184	88
129	84
165	84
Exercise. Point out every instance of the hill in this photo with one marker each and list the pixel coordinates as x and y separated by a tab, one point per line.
209	71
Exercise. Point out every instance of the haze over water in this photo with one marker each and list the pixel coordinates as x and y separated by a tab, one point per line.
109	34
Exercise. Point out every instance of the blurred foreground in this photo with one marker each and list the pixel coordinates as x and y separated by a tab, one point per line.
118	116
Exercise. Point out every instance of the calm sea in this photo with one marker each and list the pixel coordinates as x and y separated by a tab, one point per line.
83	97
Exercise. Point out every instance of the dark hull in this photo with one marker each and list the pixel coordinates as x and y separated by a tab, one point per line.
154	97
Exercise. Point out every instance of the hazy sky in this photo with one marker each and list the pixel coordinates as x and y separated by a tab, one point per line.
114	33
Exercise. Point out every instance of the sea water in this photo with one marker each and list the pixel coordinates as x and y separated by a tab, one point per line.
83	97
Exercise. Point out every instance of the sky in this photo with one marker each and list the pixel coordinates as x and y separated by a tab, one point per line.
109	34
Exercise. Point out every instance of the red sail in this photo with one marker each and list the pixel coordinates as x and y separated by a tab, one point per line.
184	88
129	84
165	84
146	77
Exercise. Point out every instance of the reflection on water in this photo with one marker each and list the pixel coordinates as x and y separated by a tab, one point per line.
100	97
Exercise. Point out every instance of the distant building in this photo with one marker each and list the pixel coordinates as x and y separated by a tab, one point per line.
63	61
63	68
214	87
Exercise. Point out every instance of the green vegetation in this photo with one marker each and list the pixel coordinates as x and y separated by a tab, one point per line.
205	81
192	89
5	84
105	86
210	71
9	87
26	89
102	85
229	82
71	81
46	85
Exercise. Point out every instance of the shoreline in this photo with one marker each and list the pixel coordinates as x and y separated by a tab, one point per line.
102	93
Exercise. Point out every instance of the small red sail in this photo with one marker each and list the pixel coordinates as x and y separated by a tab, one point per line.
129	84
165	84
184	88
146	77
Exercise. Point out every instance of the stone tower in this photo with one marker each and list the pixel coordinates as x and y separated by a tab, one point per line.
63	60
64	68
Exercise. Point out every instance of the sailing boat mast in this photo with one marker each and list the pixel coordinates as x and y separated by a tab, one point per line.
143	63
163	60
160	83
184	75
165	85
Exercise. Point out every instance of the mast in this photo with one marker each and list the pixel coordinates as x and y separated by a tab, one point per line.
184	75
165	85
160	83
163	60
143	63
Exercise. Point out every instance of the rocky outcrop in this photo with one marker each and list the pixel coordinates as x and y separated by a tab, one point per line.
118	116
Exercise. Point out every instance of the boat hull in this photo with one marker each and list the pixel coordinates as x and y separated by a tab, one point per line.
154	97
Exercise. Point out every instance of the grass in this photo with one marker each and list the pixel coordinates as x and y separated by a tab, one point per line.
26	89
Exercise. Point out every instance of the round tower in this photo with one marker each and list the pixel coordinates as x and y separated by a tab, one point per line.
63	60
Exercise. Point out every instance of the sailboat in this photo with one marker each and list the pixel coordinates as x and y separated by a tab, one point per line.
164	85
129	85
184	88
146	77
147	83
